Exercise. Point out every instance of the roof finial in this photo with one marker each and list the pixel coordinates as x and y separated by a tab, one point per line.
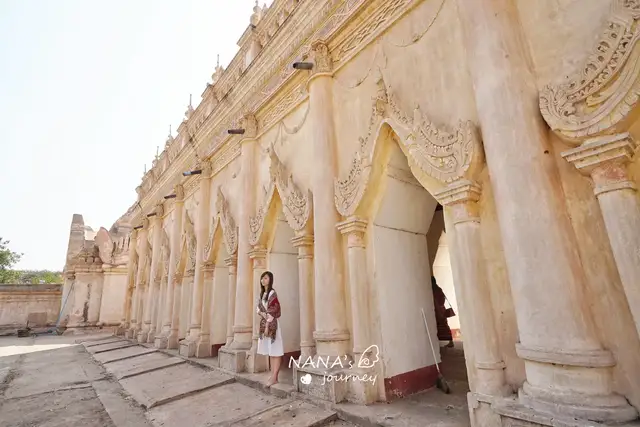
218	61
157	151
145	168
190	95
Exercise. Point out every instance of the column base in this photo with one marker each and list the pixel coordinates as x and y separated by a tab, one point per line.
130	333
151	336
188	347
142	337
161	342
232	360
256	362
332	343
120	330
612	408
203	348
173	341
319	383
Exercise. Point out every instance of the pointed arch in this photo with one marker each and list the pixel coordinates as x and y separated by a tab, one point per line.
282	193
223	228
436	156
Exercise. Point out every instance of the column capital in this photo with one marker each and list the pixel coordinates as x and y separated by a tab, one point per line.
322	62
232	261
605	160
159	211
259	257
207	171
354	228
145	224
250	125
462	197
179	190
134	234
303	240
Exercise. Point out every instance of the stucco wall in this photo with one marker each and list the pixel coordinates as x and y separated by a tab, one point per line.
19	303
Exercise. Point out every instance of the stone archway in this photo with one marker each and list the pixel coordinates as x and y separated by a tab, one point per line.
281	234
439	165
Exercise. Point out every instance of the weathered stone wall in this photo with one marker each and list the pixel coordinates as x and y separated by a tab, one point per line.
39	304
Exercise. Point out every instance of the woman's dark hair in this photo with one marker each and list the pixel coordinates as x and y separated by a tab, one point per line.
262	289
434	284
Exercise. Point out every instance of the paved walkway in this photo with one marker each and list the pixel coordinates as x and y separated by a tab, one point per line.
108	381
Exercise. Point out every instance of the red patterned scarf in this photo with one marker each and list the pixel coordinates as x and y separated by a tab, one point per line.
272	309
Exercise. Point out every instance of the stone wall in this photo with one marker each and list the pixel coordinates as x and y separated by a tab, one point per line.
38	304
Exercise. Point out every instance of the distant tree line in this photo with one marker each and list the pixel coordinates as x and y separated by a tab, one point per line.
8	259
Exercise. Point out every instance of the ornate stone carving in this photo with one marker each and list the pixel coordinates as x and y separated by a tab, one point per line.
166	252
439	154
296	204
256	223
250	125
350	190
229	228
190	239
179	190
209	244
321	57
598	98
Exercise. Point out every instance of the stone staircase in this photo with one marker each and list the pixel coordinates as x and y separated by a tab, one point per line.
175	392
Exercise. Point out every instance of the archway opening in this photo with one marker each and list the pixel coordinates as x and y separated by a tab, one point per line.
283	263
219	296
408	247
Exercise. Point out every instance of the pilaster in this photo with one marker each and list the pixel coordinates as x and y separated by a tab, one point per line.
331	334
605	160
304	243
256	362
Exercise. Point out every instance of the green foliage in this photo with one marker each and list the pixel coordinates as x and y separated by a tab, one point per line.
7	259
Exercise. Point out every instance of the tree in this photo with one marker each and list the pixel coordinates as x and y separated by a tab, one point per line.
7	259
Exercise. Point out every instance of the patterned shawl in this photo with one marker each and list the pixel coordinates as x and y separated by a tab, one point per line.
273	309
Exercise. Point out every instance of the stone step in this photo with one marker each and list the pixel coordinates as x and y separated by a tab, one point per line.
294	414
122	354
141	364
93	343
168	384
109	347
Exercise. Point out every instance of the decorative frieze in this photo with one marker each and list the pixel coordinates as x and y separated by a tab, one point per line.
600	97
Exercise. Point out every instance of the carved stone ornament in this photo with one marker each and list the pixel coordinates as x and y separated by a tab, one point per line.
179	190
229	228
250	125
297	205
321	57
598	98
441	155
166	252
190	239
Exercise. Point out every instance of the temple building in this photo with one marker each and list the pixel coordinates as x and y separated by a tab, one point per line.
355	148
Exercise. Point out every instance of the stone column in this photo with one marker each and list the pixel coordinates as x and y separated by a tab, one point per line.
568	371
154	280
244	305
132	264
355	228
605	159
231	263
203	348
95	297
304	243
136	315
67	297
173	282
331	334
462	198
256	362
188	346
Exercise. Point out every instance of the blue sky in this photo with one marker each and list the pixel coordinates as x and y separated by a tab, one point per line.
88	90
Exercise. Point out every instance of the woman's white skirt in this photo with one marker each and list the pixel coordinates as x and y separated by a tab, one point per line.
275	348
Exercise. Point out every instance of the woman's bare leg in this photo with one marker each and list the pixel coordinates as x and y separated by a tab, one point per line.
277	362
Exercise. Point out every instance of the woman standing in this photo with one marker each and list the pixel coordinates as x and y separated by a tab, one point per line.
270	339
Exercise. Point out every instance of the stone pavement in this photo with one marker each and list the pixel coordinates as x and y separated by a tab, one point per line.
52	381
109	381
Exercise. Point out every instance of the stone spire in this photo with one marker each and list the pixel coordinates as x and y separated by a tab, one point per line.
189	111
257	14
169	138
218	73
